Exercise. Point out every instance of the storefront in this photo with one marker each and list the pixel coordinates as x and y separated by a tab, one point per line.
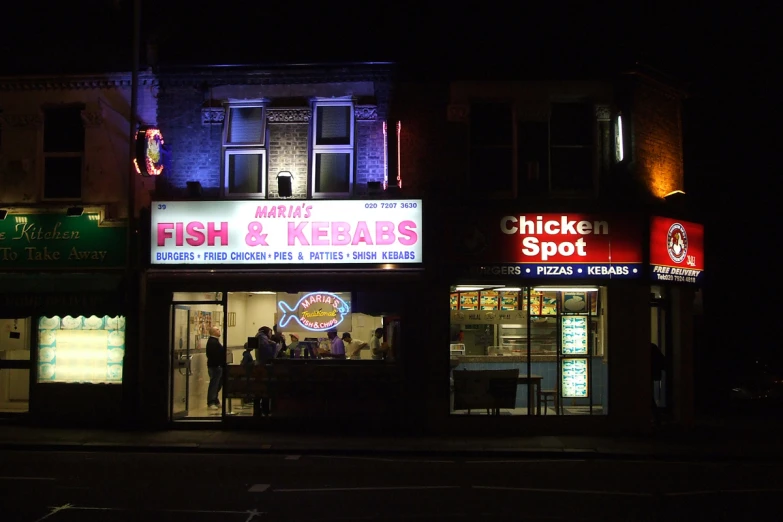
302	267
550	322
62	316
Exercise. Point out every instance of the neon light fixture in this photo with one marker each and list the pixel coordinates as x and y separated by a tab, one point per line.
618	138
385	156
399	168
316	312
149	152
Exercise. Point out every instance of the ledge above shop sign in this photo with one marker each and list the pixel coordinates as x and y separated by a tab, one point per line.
151	153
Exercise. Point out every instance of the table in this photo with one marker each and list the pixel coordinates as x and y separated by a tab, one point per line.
532	381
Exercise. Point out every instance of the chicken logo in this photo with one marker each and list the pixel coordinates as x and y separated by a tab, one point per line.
677	243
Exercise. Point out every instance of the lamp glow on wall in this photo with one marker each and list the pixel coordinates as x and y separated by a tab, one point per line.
149	152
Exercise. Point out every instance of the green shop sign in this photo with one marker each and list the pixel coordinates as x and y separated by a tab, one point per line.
43	241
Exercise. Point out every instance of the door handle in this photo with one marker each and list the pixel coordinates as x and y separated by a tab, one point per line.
184	364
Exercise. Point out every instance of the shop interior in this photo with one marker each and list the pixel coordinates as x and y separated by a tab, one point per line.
14	353
301	319
528	350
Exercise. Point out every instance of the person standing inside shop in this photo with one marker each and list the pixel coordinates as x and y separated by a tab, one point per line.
354	346
337	349
378	348
216	359
264	355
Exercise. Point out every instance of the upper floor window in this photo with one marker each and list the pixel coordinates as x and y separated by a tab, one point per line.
244	151
63	152
492	154
571	144
333	148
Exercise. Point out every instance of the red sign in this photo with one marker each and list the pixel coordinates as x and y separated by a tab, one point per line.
560	245
676	250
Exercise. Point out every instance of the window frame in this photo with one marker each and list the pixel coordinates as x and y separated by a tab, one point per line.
333	149
231	149
45	155
238	151
593	147
513	192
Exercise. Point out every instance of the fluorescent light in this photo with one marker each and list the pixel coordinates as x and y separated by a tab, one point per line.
565	289
263	293
468	288
509	289
674	193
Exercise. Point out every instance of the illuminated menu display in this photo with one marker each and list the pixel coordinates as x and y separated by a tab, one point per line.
574	377
574	335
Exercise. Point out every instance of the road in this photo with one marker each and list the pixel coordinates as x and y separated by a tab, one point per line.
115	486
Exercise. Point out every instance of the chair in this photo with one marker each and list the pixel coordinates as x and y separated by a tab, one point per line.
546	395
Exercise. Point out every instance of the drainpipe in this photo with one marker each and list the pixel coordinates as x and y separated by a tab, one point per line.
132	319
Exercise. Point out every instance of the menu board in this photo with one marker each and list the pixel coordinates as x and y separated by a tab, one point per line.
489	300
509	301
81	349
454	301
469	301
574	332
573	374
543	303
574	302
488	317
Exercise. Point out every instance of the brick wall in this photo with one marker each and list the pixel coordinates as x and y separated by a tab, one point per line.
657	138
288	151
369	153
195	148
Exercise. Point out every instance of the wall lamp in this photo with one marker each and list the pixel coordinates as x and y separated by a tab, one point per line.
75	211
3	214
285	182
194	189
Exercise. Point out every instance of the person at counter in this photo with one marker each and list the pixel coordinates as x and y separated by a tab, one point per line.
378	348
216	359
337	349
353	346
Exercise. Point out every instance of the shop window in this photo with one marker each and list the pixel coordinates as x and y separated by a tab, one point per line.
492	155
244	151
553	338
14	365
571	139
63	152
333	149
81	349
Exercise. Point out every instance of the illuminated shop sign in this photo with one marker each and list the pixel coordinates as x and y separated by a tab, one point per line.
563	246
291	232
676	250
149	152
317	312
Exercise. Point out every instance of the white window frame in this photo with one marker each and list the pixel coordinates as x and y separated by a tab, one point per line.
333	149
231	149
238	151
45	155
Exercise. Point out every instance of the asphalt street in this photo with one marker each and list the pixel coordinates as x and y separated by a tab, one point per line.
117	486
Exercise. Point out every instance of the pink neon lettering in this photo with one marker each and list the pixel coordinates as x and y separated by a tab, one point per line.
163	233
341	233
320	233
362	234
384	233
407	236
296	232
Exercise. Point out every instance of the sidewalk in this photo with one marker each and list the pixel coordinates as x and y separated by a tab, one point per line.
716	441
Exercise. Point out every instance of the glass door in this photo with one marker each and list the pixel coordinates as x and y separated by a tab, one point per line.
180	361
191	325
15	365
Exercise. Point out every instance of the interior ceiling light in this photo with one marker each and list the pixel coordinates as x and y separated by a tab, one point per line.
468	288
565	289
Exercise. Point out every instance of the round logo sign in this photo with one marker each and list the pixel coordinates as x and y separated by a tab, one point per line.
677	242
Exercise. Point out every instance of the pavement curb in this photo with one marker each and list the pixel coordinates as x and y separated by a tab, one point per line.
486	453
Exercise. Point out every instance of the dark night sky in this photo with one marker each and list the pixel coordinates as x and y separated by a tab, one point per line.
724	55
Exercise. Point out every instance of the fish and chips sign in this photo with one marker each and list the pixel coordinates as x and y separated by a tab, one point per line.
316	311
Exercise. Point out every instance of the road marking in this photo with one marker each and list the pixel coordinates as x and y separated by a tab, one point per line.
258	488
720	491
523	461
252	513
379	459
377	488
578	491
27	478
292	457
